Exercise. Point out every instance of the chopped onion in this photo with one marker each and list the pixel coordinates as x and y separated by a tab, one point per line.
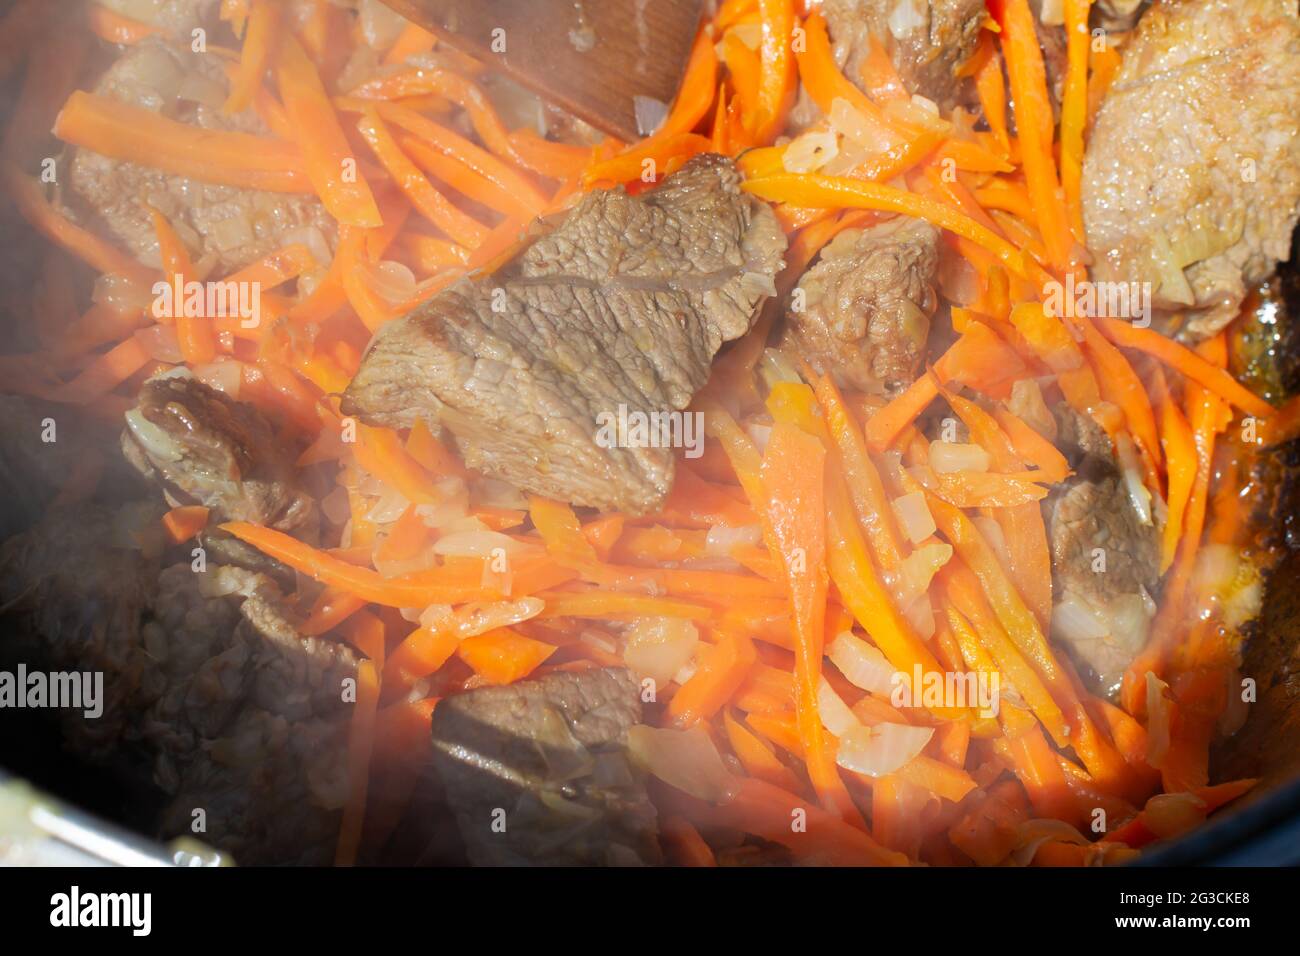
225	375
881	749
920	614
914	518
1131	469
1027	403
392	281
862	664
721	540
476	544
314	240
760	434
750	34
659	647
1169	815
810	152
336	507
153	439
1052	13
495	493
650	114
917	570
1074	621
906	17
380	25
1032	834
389	507
870	135
834	713
122	294
916	113
958	279
452	504
685	759
947	457
161	343
775	367
197	88
992	533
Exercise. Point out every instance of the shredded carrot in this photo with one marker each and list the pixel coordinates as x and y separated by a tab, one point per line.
684	843
185	522
1074	111
112	27
137	135
777	73
260	41
413	40
503	656
328	158
1184	360
721	671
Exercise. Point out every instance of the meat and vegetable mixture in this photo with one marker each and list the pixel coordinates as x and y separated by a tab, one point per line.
432	478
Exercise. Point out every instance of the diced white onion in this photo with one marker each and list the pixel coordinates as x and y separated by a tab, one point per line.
1074	621
721	540
685	759
835	714
810	152
650	114
917	570
913	515
906	17
947	457
862	664
1028	404
881	749
920	614
1168	815
476	544
161	343
225	375
659	647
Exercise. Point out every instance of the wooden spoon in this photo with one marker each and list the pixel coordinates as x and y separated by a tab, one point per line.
592	58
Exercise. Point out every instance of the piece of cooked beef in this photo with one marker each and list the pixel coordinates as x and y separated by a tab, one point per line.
1105	557
1191	179
864	311
209	689
620	308
538	772
928	40
221	225
204	447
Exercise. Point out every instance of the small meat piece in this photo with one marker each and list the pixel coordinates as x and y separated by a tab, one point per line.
551	755
1105	558
620	308
209	689
1191	180
204	447
928	40
221	225
864	309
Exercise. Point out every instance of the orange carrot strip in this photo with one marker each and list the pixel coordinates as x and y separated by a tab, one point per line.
502	656
443	585
792	476
137	135
105	373
331	609
112	27
559	528
838	192
599	604
777	76
413	40
1074	111
194	333
185	522
360	746
684	844
721	671
330	164
467	182
260	40
755	757
1028	81
1178	356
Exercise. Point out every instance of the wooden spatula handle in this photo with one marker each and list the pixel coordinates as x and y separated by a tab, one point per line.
590	57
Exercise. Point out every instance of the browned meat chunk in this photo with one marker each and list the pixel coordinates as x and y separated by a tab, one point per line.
221	225
928	40
208	689
620	308
538	772
863	311
207	448
1105	558
1191	179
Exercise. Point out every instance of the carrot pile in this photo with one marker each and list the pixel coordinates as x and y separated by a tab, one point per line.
820	538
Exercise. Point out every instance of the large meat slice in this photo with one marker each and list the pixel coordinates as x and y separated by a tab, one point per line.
928	40
1191	179
619	309
863	311
209	690
1105	558
222	226
538	772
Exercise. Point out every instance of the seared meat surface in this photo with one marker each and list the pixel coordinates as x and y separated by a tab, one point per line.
863	312
1105	558
621	307
209	689
204	447
538	773
221	225
928	40
1191	180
